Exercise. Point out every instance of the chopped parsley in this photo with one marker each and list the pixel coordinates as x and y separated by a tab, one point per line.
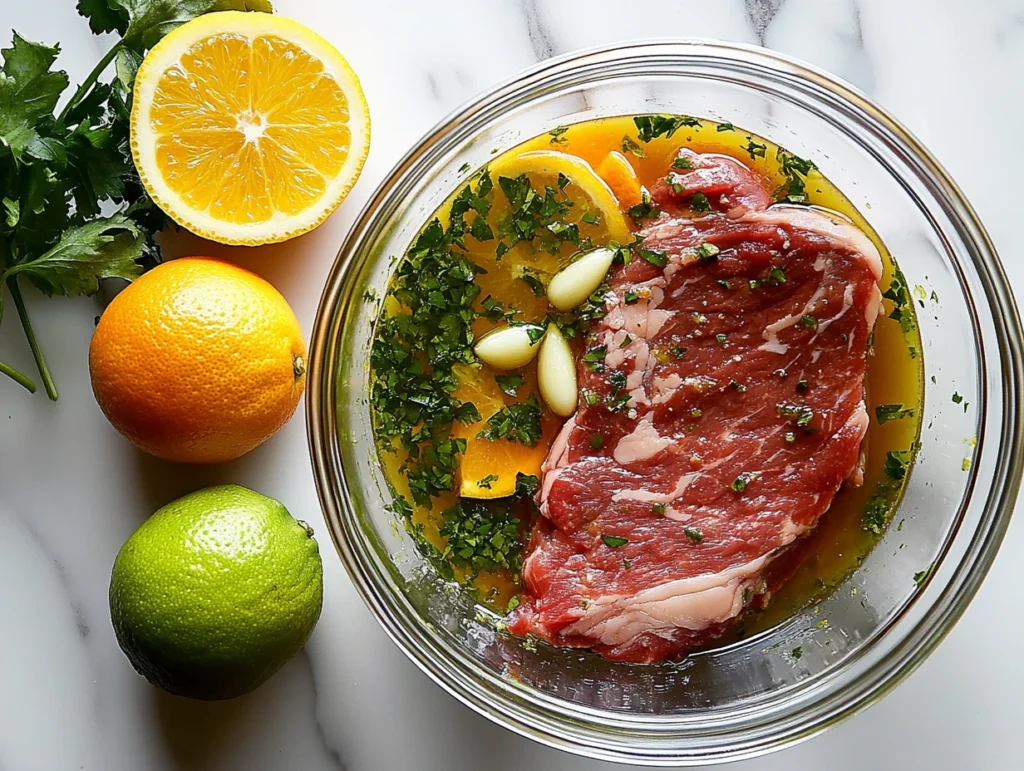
800	414
896	463
903	304
594	358
659	259
921	576
614	541
626	342
726	126
654	126
644	210
556	135
755	149
708	252
721	337
739	484
631	297
516	423
659	508
957	398
695	535
682	162
464	168
811	322
776	276
509	384
795	169
482	536
700	203
630	146
802	385
886	412
596	441
494	310
527	485
530	279
591	218
797	652
487	481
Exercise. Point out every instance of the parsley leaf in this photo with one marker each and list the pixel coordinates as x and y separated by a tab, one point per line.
509	384
653	126
516	423
614	541
886	412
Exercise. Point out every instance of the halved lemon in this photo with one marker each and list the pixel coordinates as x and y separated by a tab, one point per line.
248	128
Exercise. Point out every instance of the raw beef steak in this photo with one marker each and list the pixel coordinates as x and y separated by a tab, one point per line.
722	407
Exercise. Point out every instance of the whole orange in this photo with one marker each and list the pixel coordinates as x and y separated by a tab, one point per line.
198	361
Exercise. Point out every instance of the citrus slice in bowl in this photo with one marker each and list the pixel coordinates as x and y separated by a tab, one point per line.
488	469
248	128
590	194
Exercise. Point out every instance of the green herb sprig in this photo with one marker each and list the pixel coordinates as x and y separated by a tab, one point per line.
72	208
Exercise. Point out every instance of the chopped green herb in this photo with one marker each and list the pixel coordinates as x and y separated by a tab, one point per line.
614	541
957	398
644	210
886	412
776	276
594	358
467	412
708	252
482	536
527	485
795	169
509	384
653	126
370	295
625	342
682	162
659	508
790	437
629	146
896	463
724	283
802	385
721	337
726	126
921	576
596	441
591	218
755	149
487	480
903	305
700	203
654	258
965	465
516	423
934	296
535	333
532	281
810	322
631	297
695	535
556	135
739	484
696	412
513	603
801	414
797	652
464	168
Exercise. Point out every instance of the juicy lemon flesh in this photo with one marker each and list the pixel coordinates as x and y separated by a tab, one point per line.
247	127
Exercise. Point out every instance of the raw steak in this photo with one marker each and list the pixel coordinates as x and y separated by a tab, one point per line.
722	407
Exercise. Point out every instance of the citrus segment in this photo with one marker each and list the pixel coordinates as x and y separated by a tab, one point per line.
616	170
248	128
495	463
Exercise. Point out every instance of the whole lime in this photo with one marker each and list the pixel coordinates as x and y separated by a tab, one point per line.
215	592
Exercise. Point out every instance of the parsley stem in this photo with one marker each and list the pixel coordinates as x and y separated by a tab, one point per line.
18	377
30	335
87	84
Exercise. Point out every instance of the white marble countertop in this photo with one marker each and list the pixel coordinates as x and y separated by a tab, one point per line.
71	490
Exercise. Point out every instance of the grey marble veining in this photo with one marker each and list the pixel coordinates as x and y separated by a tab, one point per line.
71	490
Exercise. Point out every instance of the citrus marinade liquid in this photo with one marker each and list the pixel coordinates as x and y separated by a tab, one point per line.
894	374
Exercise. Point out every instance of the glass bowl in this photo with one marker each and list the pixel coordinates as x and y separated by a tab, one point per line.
757	694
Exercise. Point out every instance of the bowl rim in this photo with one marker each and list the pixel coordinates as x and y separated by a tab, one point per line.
537	720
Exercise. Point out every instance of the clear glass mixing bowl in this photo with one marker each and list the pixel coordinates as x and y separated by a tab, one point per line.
752	696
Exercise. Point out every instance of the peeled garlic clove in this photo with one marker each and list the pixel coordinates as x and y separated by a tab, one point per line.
556	373
509	347
572	285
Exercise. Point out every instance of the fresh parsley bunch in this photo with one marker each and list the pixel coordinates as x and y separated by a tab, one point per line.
72	209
